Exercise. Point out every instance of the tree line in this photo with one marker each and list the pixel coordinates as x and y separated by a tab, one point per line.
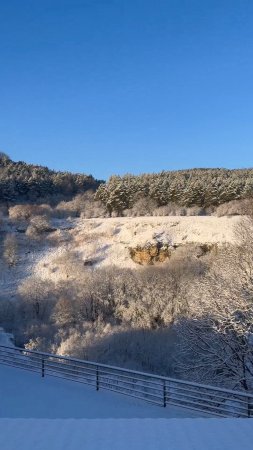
22	182
197	187
129	194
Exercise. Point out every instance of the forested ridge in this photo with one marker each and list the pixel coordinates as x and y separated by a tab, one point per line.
21	182
194	187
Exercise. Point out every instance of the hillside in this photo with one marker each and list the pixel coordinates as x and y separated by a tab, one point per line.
123	290
108	242
165	193
127	275
22	182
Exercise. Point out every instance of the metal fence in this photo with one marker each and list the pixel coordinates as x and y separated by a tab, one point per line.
161	391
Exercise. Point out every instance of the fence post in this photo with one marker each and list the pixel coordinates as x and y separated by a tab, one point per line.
164	393
97	379
42	367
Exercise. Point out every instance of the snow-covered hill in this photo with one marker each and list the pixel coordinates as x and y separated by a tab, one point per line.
112	238
105	242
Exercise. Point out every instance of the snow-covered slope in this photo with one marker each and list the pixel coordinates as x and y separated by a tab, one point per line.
25	395
105	242
123	434
54	414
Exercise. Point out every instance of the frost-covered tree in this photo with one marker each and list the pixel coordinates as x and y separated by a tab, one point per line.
197	187
36	302
26	182
216	335
4	158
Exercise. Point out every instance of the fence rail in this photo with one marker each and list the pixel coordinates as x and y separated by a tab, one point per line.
161	391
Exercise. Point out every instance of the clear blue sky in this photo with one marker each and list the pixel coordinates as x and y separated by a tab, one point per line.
115	86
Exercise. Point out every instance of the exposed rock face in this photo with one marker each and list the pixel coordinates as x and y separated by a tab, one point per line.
150	253
158	252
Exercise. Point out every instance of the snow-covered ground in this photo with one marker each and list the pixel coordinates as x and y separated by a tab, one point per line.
55	414
25	394
105	242
124	434
110	239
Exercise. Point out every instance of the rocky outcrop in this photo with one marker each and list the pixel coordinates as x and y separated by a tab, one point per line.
150	253
158	252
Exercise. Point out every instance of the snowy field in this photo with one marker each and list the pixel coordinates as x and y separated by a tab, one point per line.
27	395
125	434
82	418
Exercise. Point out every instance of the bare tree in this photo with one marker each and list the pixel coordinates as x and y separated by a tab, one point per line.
216	336
37	300
64	312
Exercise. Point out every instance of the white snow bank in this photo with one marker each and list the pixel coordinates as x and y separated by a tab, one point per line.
27	395
123	434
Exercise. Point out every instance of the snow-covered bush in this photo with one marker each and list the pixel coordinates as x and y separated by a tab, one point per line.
235	207
38	225
82	205
26	212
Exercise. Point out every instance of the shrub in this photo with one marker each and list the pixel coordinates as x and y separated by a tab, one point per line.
171	209
26	212
38	226
83	205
